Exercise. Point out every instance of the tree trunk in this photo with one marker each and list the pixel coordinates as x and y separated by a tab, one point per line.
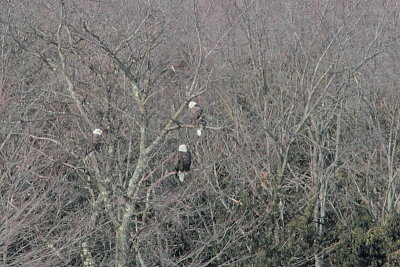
122	246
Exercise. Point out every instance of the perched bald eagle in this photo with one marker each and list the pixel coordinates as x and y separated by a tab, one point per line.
182	162
95	144
197	117
97	139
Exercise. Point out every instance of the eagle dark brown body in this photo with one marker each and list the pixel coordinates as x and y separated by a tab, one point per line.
196	114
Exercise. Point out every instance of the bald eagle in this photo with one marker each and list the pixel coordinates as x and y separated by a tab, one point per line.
197	117
95	144
97	139
182	162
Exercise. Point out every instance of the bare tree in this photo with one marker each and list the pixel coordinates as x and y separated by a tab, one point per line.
94	102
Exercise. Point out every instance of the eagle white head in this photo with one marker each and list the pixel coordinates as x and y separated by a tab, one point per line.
192	104
183	148
97	132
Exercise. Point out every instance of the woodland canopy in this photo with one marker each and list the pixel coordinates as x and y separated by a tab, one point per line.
298	163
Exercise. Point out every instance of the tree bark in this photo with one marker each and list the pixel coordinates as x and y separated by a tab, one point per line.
122	246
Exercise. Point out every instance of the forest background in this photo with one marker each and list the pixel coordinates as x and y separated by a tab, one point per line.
298	165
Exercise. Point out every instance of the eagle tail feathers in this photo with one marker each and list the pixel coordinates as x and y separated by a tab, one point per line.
181	176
